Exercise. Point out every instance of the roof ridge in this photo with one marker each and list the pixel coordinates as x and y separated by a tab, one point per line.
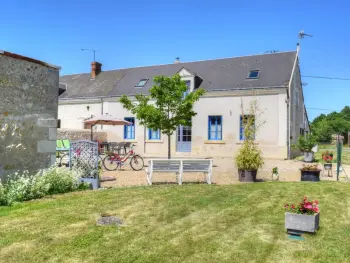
181	63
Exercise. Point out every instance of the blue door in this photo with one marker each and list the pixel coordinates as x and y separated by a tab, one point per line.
184	138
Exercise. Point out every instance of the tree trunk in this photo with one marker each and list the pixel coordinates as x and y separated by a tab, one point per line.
169	145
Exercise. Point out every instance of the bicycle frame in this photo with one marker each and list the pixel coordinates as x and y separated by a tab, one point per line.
117	157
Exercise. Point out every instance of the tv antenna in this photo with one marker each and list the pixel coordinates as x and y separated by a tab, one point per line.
92	50
302	34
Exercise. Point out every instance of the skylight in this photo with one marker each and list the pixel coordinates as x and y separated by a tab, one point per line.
141	83
253	74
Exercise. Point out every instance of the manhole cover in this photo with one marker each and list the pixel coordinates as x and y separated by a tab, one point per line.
110	221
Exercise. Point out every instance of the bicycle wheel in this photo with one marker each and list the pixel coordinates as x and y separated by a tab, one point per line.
111	163
136	162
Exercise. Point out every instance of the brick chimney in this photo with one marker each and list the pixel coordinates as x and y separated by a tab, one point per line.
95	69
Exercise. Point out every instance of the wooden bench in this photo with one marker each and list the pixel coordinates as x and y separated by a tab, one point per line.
179	167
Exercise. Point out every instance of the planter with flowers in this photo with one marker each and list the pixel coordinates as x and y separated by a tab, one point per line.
327	158
310	173
304	217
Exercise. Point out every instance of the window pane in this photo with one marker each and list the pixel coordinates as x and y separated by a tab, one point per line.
213	135
253	74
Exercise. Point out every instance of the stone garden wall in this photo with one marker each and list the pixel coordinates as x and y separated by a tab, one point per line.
28	113
76	134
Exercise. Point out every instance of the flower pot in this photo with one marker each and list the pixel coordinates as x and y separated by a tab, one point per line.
302	222
275	177
247	175
308	157
313	176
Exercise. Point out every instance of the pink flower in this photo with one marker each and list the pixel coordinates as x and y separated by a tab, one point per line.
308	207
316	210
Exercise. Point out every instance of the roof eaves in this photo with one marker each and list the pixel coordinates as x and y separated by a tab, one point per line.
16	56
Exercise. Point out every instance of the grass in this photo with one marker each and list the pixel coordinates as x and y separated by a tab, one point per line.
191	223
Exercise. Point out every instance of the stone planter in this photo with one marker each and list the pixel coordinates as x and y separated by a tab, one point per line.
308	157
313	176
94	182
302	222
247	175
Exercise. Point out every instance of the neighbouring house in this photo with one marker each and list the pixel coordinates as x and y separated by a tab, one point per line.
217	130
28	113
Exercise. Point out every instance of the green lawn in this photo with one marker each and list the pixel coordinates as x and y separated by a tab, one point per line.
189	223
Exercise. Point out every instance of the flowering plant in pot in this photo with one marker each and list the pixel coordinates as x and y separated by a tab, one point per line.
310	173
327	158
305	144
303	217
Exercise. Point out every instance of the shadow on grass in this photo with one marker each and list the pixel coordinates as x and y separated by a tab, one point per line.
174	183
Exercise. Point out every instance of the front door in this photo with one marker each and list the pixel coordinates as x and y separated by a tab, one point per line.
184	138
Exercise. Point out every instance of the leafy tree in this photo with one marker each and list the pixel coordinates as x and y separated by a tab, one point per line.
168	105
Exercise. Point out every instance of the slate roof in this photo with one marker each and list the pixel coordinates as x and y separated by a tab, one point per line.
219	74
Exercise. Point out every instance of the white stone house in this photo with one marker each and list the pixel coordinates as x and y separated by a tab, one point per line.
272	79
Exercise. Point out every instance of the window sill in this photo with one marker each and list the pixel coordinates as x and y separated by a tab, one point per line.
130	140
214	142
154	141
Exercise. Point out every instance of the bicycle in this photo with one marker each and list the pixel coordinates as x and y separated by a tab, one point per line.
113	160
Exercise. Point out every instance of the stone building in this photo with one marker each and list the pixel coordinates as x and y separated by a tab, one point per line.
28	113
217	130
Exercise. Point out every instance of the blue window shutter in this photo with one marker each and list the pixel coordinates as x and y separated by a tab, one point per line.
221	124
240	127
209	130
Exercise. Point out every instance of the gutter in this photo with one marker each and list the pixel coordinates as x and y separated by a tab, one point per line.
117	96
290	99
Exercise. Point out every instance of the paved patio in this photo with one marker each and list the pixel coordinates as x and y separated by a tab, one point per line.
224	172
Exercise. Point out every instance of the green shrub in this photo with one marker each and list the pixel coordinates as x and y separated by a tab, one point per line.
23	187
306	142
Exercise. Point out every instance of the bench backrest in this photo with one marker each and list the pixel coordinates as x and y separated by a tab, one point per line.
194	165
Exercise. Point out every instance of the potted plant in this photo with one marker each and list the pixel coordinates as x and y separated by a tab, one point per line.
249	158
304	217
305	144
275	175
327	158
310	173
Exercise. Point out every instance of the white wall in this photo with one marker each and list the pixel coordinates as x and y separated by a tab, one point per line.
272	136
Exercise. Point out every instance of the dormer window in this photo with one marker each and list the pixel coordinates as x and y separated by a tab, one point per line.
253	74
141	83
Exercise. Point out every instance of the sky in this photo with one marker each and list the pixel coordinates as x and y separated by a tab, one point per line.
140	33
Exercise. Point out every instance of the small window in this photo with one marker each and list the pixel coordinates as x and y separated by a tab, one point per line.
141	83
253	74
242	124
153	134
58	124
129	130
188	84
215	128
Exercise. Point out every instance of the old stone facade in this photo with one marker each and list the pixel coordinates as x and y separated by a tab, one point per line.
78	134
28	113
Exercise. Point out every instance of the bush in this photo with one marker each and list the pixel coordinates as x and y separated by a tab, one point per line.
24	187
306	143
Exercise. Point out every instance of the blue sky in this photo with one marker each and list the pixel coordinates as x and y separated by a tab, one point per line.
137	33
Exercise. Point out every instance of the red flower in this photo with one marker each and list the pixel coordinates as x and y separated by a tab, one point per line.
293	206
316	210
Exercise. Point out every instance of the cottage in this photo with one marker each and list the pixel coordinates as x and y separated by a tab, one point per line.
217	130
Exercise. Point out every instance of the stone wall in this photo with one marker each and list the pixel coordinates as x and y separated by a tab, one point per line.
76	134
28	113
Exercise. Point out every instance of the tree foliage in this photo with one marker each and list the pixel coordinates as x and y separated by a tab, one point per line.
166	107
325	125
